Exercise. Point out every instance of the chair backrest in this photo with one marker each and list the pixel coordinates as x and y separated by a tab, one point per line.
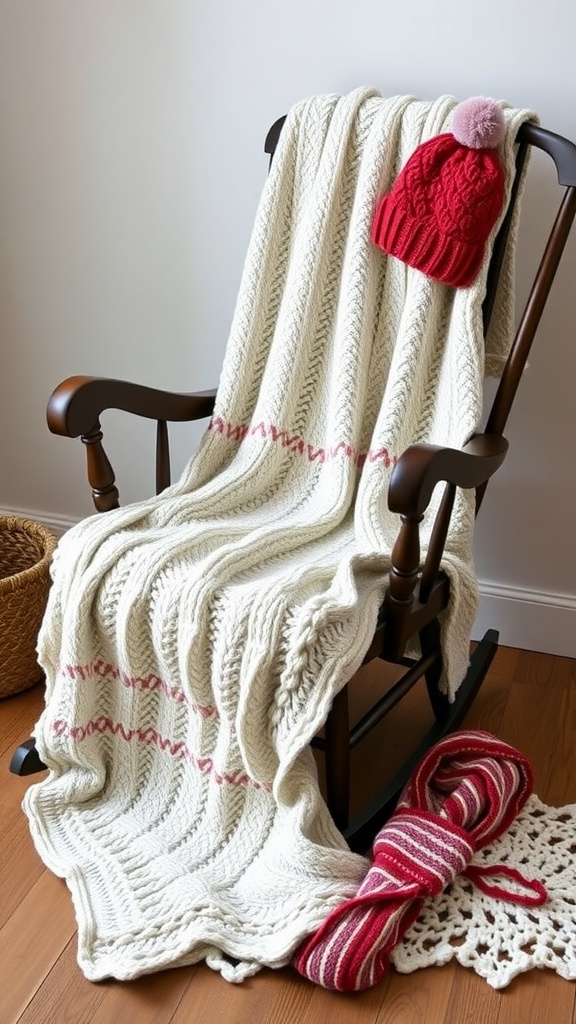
563	153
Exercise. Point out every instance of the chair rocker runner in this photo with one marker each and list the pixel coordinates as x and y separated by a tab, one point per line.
417	593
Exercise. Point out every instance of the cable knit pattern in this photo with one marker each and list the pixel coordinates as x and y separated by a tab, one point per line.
442	209
193	643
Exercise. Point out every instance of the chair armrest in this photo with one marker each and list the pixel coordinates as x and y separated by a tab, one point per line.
74	409
417	472
75	405
422	466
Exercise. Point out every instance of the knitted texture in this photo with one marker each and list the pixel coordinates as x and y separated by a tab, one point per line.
465	792
495	938
478	123
441	210
193	643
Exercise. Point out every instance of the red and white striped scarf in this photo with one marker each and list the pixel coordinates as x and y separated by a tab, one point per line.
466	791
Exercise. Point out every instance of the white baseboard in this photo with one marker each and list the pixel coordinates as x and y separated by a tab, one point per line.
531	620
57	524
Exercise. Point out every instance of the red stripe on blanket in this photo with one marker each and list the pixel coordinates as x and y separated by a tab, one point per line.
105	670
294	443
151	737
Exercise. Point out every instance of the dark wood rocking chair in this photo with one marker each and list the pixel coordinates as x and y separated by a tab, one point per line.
417	593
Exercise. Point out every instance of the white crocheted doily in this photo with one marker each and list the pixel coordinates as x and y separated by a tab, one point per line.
498	939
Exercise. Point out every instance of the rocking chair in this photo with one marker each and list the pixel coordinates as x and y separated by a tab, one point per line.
417	594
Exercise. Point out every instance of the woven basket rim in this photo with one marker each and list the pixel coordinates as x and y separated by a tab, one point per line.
23	597
22	578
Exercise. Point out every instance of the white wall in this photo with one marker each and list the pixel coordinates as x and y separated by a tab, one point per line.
131	161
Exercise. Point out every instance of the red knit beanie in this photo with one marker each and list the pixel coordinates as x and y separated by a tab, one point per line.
445	202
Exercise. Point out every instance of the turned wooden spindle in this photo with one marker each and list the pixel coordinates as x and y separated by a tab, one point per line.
405	561
100	473
404	573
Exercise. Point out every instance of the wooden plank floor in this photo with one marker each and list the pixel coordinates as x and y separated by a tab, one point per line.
528	699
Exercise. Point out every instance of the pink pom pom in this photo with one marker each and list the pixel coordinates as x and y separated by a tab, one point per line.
478	123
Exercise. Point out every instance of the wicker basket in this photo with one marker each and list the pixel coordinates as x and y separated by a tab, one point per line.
25	554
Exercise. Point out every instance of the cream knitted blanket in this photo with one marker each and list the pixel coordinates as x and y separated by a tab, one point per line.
193	643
